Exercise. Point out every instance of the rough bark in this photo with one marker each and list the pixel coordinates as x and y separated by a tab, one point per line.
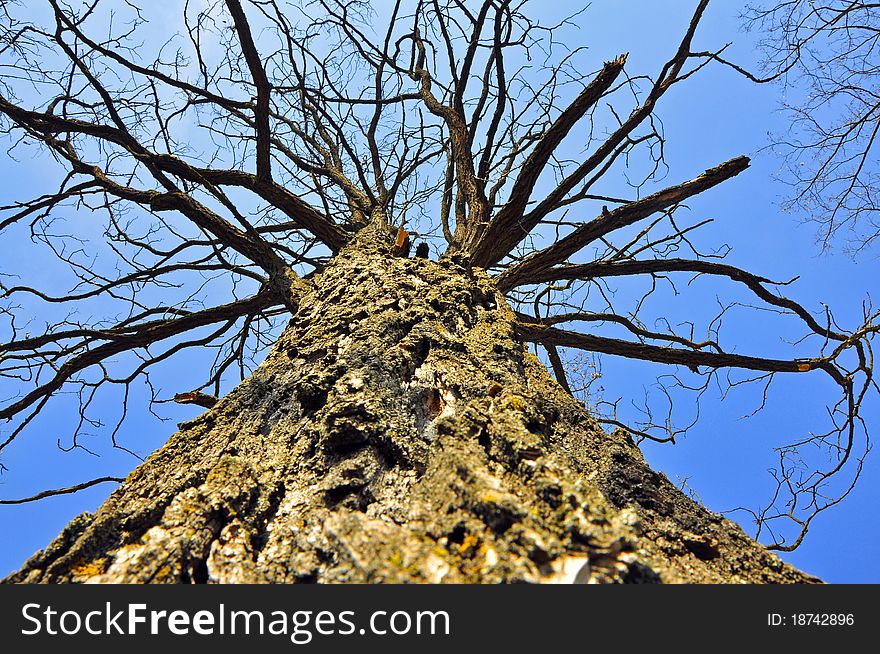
399	432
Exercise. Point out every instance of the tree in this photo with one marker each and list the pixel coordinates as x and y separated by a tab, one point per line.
825	55
262	182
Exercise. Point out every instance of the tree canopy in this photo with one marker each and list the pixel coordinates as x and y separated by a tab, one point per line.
824	55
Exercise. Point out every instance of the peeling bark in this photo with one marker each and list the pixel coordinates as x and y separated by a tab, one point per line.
399	432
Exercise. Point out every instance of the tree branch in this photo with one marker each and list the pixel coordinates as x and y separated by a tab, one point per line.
64	491
692	358
258	73
508	227
131	337
538	263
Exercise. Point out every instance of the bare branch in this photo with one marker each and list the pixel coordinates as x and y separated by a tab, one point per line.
627	214
64	491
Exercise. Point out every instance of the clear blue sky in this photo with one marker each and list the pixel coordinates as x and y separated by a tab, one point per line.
710	119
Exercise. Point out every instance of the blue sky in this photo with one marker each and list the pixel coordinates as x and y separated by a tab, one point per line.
724	460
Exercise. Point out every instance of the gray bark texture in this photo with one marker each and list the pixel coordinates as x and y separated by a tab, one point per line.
398	432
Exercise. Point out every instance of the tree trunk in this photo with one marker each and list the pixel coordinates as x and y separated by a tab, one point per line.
398	432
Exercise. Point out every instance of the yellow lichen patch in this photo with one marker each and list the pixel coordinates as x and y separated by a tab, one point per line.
468	544
396	560
165	574
516	402
491	497
90	568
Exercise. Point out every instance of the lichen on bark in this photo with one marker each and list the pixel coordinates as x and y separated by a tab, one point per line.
399	432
